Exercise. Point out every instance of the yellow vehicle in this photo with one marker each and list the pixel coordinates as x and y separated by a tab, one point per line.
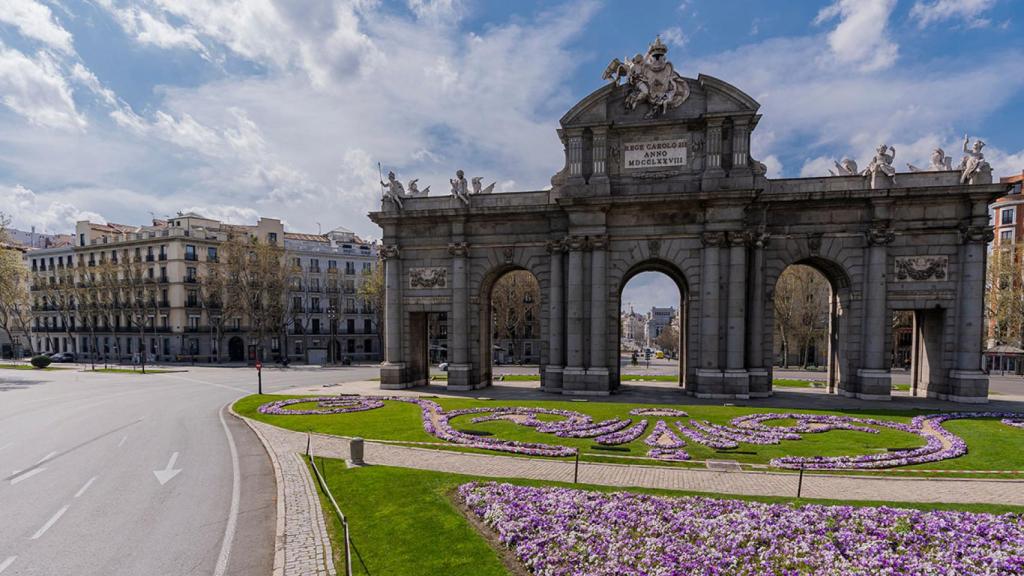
660	355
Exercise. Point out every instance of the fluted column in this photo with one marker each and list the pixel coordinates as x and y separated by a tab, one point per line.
968	383
460	326
760	381
556	319
598	303
392	304
710	295
574	295
735	356
875	379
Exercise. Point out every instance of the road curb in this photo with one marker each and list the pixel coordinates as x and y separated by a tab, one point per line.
279	538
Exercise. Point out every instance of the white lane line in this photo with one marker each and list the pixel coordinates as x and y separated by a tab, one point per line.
49	523
86	487
7	563
229	530
47	457
121	443
26	475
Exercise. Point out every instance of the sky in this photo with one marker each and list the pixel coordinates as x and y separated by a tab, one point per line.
128	110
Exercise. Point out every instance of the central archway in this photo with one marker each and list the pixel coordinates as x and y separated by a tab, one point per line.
511	341
665	329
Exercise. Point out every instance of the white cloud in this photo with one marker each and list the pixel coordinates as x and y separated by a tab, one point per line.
675	37
36	89
27	209
149	28
35	20
445	12
969	12
862	37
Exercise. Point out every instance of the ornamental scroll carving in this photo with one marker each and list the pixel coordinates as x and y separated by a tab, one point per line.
428	277
921	268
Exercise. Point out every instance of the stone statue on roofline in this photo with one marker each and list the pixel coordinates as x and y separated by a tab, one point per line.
881	164
393	190
974	169
938	163
845	167
650	78
478	183
414	190
460	187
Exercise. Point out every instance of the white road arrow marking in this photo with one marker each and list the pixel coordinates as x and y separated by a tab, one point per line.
164	476
49	523
7	563
26	475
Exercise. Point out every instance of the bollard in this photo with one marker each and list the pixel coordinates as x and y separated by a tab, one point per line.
355	452
800	482
576	469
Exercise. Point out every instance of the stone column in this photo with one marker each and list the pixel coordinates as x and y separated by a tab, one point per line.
598	306
736	379
967	381
573	376
713	144
459	369
556	318
709	371
600	154
574	151
392	372
874	376
760	377
740	145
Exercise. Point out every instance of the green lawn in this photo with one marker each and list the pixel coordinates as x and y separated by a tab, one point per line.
28	367
405	521
992	445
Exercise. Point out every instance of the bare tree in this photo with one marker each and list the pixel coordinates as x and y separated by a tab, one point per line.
257	273
801	305
216	300
139	304
15	303
668	340
371	292
1004	301
515	303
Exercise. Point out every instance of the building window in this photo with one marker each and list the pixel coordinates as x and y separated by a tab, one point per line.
190	252
1006	236
275	344
350	267
298	346
332	264
193	322
272	238
1006	216
211	254
190	274
367	267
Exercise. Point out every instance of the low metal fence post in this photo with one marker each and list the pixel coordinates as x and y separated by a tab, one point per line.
800	482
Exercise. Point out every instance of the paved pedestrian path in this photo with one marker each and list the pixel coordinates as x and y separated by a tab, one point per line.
303	547
845	487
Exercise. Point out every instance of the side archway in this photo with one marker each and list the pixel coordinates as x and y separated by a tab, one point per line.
511	306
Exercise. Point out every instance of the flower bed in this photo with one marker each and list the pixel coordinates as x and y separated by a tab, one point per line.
709	440
658	412
665	444
327	405
1015	422
623	436
599	429
568	532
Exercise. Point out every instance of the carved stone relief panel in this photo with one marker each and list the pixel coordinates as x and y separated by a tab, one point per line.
434	277
921	268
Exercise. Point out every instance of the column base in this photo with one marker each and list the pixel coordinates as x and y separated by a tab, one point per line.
592	382
551	379
392	376
721	385
736	382
760	382
874	384
967	386
460	377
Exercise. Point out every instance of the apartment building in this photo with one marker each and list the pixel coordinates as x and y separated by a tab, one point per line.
178	321
327	321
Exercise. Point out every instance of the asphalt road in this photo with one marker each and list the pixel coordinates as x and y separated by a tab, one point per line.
112	474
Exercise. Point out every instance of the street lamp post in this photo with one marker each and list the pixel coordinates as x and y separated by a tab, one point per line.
332	315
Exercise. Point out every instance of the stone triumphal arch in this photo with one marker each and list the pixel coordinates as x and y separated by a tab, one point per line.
658	176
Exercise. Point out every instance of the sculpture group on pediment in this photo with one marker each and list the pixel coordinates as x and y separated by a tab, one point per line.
939	162
650	78
461	187
395	192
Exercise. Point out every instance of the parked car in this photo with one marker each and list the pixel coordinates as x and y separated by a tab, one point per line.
63	357
443	366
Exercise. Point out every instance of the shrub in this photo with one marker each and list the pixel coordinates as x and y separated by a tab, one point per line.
41	361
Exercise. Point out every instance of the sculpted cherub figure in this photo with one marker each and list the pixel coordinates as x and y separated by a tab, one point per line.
847	167
973	162
881	164
460	187
939	162
393	190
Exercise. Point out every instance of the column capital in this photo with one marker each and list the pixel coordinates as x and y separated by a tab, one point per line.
880	235
712	238
458	249
575	243
976	234
389	251
598	242
739	238
761	239
555	246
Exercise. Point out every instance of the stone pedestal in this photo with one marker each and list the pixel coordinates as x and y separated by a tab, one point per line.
760	382
392	376
460	377
551	380
966	386
874	385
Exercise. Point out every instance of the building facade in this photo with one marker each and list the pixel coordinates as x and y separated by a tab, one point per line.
84	293
669	185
